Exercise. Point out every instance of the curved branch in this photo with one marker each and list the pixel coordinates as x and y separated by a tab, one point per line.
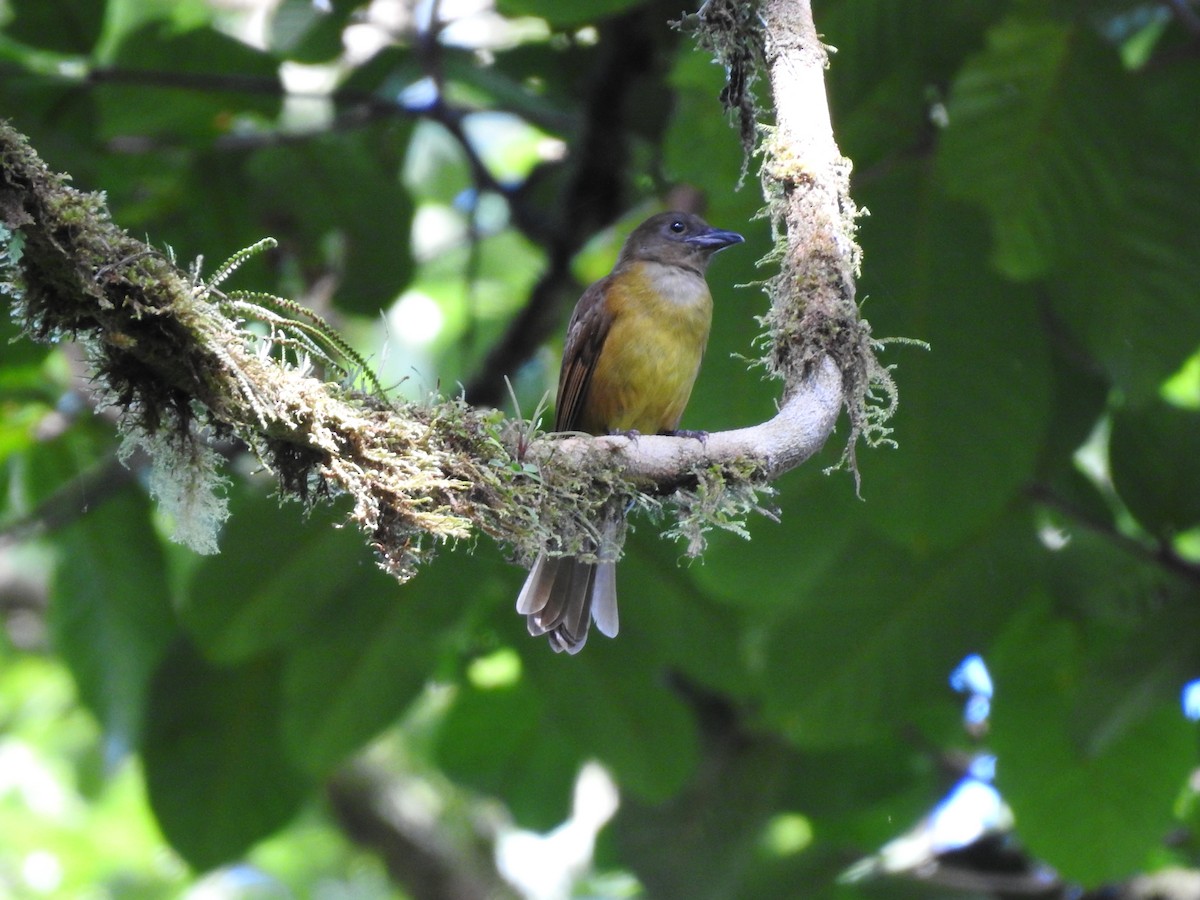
818	344
661	463
168	353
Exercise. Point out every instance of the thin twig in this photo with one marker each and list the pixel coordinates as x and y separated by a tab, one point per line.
80	495
1157	552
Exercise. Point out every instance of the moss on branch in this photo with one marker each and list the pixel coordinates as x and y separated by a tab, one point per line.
182	369
806	182
177	357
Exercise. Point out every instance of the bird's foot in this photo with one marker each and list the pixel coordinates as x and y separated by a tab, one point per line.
701	436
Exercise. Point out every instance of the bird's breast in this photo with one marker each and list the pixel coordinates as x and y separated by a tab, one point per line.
646	369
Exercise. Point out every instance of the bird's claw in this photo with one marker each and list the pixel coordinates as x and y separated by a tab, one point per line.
701	436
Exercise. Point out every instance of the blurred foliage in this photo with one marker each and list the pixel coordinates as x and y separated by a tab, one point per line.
1031	172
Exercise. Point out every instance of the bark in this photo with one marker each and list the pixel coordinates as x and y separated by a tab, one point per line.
174	359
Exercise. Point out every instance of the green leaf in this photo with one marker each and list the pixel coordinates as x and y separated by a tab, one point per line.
1093	578
1153	452
1071	499
533	80
974	409
198	84
59	115
385	74
687	629
565	13
613	703
111	613
277	568
124	16
27	395
23	357
696	121
766	574
875	38
216	772
1010	103
65	26
49	466
18	430
1090	767
1049	135
303	31
713	829
1079	398
363	660
499	741
883	80
869	647
721	826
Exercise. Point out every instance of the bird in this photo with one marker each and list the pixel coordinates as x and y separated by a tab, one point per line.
632	352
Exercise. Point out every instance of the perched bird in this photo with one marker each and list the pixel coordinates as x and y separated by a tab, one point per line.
632	352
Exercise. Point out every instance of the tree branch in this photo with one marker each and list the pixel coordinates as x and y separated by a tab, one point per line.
424	857
1153	551
655	462
814	309
175	356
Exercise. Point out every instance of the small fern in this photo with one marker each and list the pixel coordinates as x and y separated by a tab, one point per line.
292	327
231	265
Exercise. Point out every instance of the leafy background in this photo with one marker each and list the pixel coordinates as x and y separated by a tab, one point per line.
770	715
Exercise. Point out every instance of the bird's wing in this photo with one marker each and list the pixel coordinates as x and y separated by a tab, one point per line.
586	334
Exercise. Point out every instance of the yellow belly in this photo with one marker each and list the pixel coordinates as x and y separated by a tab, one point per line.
644	376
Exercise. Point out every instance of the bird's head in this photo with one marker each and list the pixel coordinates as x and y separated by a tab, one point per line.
677	238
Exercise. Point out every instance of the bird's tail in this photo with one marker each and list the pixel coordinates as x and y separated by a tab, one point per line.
562	595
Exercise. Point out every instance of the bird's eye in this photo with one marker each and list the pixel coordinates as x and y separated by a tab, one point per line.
678	227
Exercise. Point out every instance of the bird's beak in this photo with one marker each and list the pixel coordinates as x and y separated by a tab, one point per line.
714	239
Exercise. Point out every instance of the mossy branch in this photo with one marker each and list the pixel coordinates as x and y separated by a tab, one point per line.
807	182
175	355
814	313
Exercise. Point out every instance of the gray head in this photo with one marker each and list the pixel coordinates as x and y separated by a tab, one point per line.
677	238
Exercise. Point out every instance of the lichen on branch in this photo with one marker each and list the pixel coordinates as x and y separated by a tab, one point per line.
176	355
814	313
